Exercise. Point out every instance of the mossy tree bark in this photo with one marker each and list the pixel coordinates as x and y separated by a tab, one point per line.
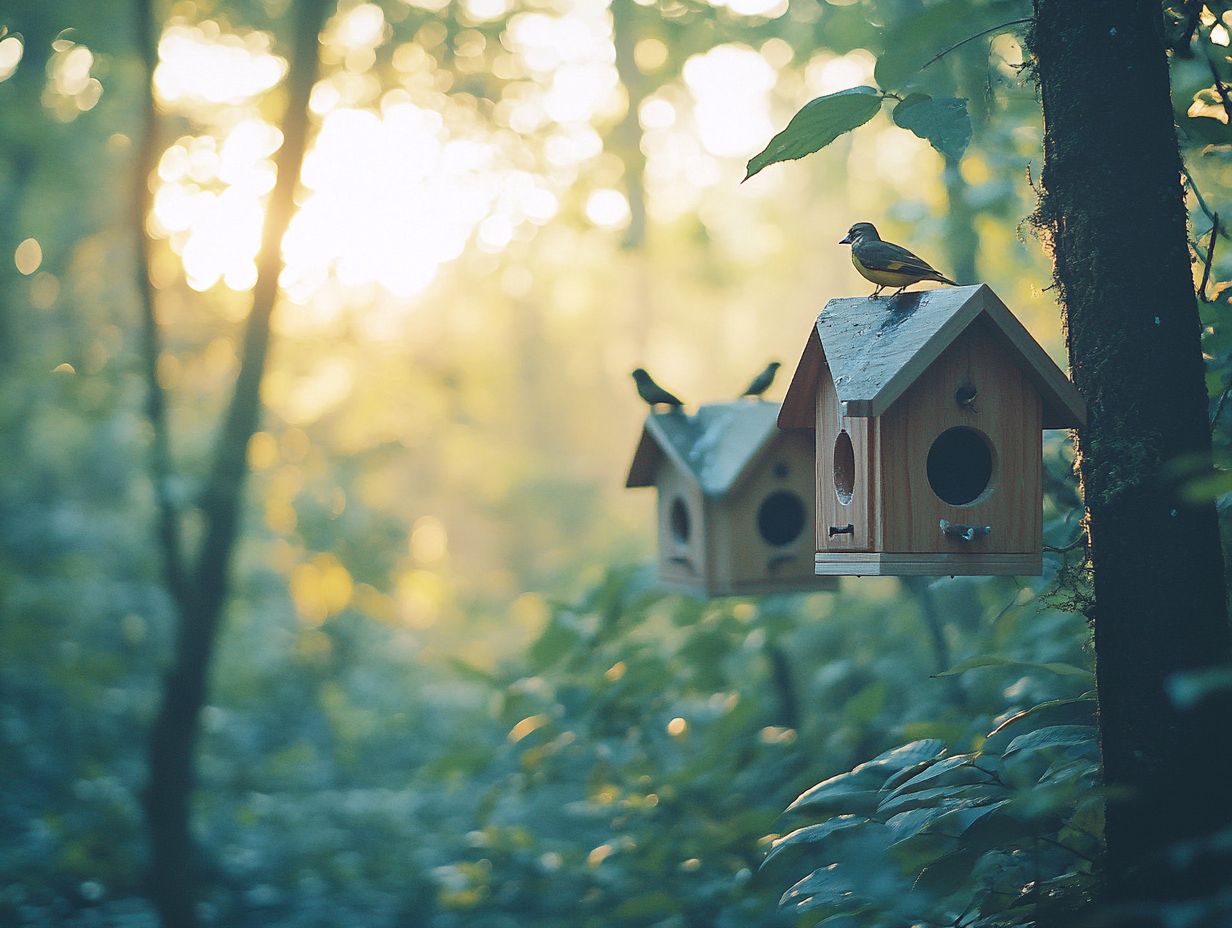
1113	210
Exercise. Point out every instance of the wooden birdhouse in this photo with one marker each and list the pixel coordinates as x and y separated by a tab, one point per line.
926	411
735	500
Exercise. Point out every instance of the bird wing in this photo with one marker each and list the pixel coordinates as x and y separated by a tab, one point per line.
886	256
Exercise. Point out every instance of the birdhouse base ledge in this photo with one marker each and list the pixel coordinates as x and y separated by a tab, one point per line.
870	564
703	590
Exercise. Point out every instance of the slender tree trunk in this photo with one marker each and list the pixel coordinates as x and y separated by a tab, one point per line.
199	591
1113	210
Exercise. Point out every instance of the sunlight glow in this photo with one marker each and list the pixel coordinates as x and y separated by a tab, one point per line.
201	64
731	86
28	256
607	208
771	9
362	26
827	73
11	51
72	90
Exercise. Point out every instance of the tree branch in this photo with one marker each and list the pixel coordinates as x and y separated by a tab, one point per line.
168	515
1184	46
971	38
173	869
1220	89
1223	399
1210	256
1206	210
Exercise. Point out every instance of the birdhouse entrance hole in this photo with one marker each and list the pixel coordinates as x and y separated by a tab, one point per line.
844	468
960	465
781	518
679	518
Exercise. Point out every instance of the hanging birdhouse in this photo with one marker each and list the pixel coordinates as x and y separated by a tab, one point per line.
735	500
927	411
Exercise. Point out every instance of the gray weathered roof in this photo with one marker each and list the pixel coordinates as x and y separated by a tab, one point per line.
877	348
715	446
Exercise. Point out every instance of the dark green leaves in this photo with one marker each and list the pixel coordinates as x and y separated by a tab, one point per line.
994	660
912	41
813	834
1054	736
858	789
818	124
942	121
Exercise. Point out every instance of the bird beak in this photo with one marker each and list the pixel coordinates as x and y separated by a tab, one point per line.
845	240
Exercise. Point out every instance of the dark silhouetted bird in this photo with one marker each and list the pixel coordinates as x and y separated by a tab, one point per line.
886	264
761	383
651	392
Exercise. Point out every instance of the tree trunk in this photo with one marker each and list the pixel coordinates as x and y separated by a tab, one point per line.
1113	211
199	591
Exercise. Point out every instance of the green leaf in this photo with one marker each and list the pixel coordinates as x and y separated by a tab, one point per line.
906	825
943	122
1043	707
947	797
825	887
993	660
813	834
957	822
858	789
818	123
913	40
946	875
941	768
1054	736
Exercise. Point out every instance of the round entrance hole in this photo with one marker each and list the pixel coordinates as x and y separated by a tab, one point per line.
780	518
678	517
844	468
960	465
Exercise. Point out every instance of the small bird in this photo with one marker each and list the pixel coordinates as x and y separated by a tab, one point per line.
886	264
761	383
651	392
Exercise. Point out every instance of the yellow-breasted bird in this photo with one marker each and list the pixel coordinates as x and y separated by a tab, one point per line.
651	392
761	383
886	264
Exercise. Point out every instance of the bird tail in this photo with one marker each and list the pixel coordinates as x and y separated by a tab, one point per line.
942	279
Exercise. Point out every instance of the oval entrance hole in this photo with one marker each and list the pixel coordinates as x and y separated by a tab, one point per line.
679	520
844	468
960	465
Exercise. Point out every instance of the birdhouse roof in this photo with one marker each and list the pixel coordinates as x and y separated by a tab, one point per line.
877	348
715	446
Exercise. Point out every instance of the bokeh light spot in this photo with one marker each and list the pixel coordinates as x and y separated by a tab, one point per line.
28	256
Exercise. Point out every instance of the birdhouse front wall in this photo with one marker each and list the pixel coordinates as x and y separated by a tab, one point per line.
682	528
762	531
846	475
969	459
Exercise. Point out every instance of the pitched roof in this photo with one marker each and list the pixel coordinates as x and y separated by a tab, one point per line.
877	348
715	446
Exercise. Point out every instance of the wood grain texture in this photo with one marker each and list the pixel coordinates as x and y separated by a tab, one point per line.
740	553
799	404
860	512
1006	410
874	564
681	560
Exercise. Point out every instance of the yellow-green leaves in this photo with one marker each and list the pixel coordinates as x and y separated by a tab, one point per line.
818	124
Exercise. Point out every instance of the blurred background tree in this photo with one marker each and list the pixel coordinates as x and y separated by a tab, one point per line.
444	693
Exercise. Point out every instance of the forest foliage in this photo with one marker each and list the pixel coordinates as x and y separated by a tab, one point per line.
448	692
